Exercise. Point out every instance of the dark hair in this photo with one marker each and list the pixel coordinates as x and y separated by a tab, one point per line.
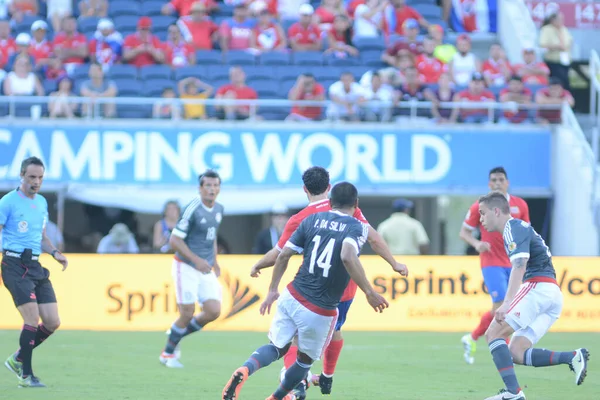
309	75
375	75
316	180
208	174
550	19
31	161
496	200
498	170
344	195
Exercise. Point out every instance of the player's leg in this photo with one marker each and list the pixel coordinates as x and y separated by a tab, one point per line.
496	337
210	296
290	357
291	385
48	310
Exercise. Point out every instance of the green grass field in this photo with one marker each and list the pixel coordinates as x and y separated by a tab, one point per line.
407	366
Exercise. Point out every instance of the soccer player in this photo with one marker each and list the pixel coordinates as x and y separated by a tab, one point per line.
316	187
331	241
532	304
495	265
23	218
195	268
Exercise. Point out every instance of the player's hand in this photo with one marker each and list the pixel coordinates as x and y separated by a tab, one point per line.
402	269
201	265
501	312
217	269
266	305
60	257
377	301
482	247
255	271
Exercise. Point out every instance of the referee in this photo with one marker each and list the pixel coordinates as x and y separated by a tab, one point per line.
23	217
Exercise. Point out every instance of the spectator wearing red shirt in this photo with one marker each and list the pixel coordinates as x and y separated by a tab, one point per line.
198	29
476	92
40	48
235	33
339	38
326	13
409	45
70	46
143	48
353	5
106	48
268	34
554	95
237	89
178	53
496	69
396	13
23	47
532	71
304	35
306	88
7	44
517	93
184	7
430	68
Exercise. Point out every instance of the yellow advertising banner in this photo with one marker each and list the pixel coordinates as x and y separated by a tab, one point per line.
445	294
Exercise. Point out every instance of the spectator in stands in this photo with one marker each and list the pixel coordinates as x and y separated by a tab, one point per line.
70	46
59	106
443	93
517	93
532	71
403	234
411	90
379	92
178	53
18	9
7	44
430	68
55	70
97	87
256	6
57	10
556	39
235	33
119	240
339	38
305	35
93	8
23	44
553	95
268	238
183	8
194	89
326	13
106	48
368	18
410	46
476	92
306	88
167	107
443	51
346	97
40	48
496	69
163	227
268	34
464	63
288	9
236	90
21	81
198	29
143	48
396	13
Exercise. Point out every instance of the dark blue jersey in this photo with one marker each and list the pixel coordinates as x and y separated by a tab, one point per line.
322	278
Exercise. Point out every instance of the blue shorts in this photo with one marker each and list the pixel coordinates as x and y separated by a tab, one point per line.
343	308
496	281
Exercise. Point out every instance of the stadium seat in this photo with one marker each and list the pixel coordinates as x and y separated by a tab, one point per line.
50	85
534	88
372	58
343	62
195	71
275	58
123	22
217	83
218	19
87	24
236	57
225	10
327	82
162	22
364	44
162	35
218	72
287	23
286	86
308	58
266	88
81	72
209	57
326	73
118	8
152	8
257	82
129	87
429	11
290	72
253	72
127	31
25	24
134	111
358	71
155	87
155	72
122	71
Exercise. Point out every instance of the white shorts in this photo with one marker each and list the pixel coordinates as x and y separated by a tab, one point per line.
314	330
192	285
534	309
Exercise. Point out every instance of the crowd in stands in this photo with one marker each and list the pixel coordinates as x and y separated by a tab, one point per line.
365	56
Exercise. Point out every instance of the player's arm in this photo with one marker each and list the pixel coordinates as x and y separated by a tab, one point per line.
380	247
466	231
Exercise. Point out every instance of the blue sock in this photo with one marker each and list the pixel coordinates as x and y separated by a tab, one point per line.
261	358
293	376
175	337
504	364
546	358
192	327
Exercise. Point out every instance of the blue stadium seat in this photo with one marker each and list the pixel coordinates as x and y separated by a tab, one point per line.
287	23
81	72
327	73
257	82
429	11
372	58
225	10
122	71
129	87
25	24
275	58
87	24
195	71
134	111
117	8
50	85
253	72
216	72
162	34
327	82
236	57
358	71
308	58
266	88
286	86
127	31
209	57
218	19
152	8
217	83
123	22
291	72
535	88
162	22
155	72
496	90
343	62
376	43
155	87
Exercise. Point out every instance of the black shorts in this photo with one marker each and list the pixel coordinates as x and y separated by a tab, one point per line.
27	283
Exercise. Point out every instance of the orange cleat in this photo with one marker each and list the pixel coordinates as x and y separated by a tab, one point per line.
233	387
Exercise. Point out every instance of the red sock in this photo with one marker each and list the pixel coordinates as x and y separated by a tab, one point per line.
331	356
484	324
290	357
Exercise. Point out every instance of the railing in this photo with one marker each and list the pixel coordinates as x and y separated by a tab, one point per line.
595	87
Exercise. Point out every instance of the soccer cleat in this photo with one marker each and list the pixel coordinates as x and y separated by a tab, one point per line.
170	360
233	387
579	365
13	365
469	346
30	382
177	351
325	384
504	394
300	391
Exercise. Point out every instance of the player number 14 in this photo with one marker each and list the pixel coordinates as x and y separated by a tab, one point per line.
322	260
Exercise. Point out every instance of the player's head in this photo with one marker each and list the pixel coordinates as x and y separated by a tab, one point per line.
498	180
494	211
344	196
316	181
210	186
32	175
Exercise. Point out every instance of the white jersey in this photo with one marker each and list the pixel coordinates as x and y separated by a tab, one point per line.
463	68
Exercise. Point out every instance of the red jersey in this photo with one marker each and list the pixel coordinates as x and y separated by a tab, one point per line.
40	51
338	37
530	79
241	93
199	34
496	71
267	38
496	257
313	208
77	40
183	7
521	114
309	112
415	48
141	60
353	5
553	116
430	68
177	55
326	16
395	25
303	35
7	48
486	95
